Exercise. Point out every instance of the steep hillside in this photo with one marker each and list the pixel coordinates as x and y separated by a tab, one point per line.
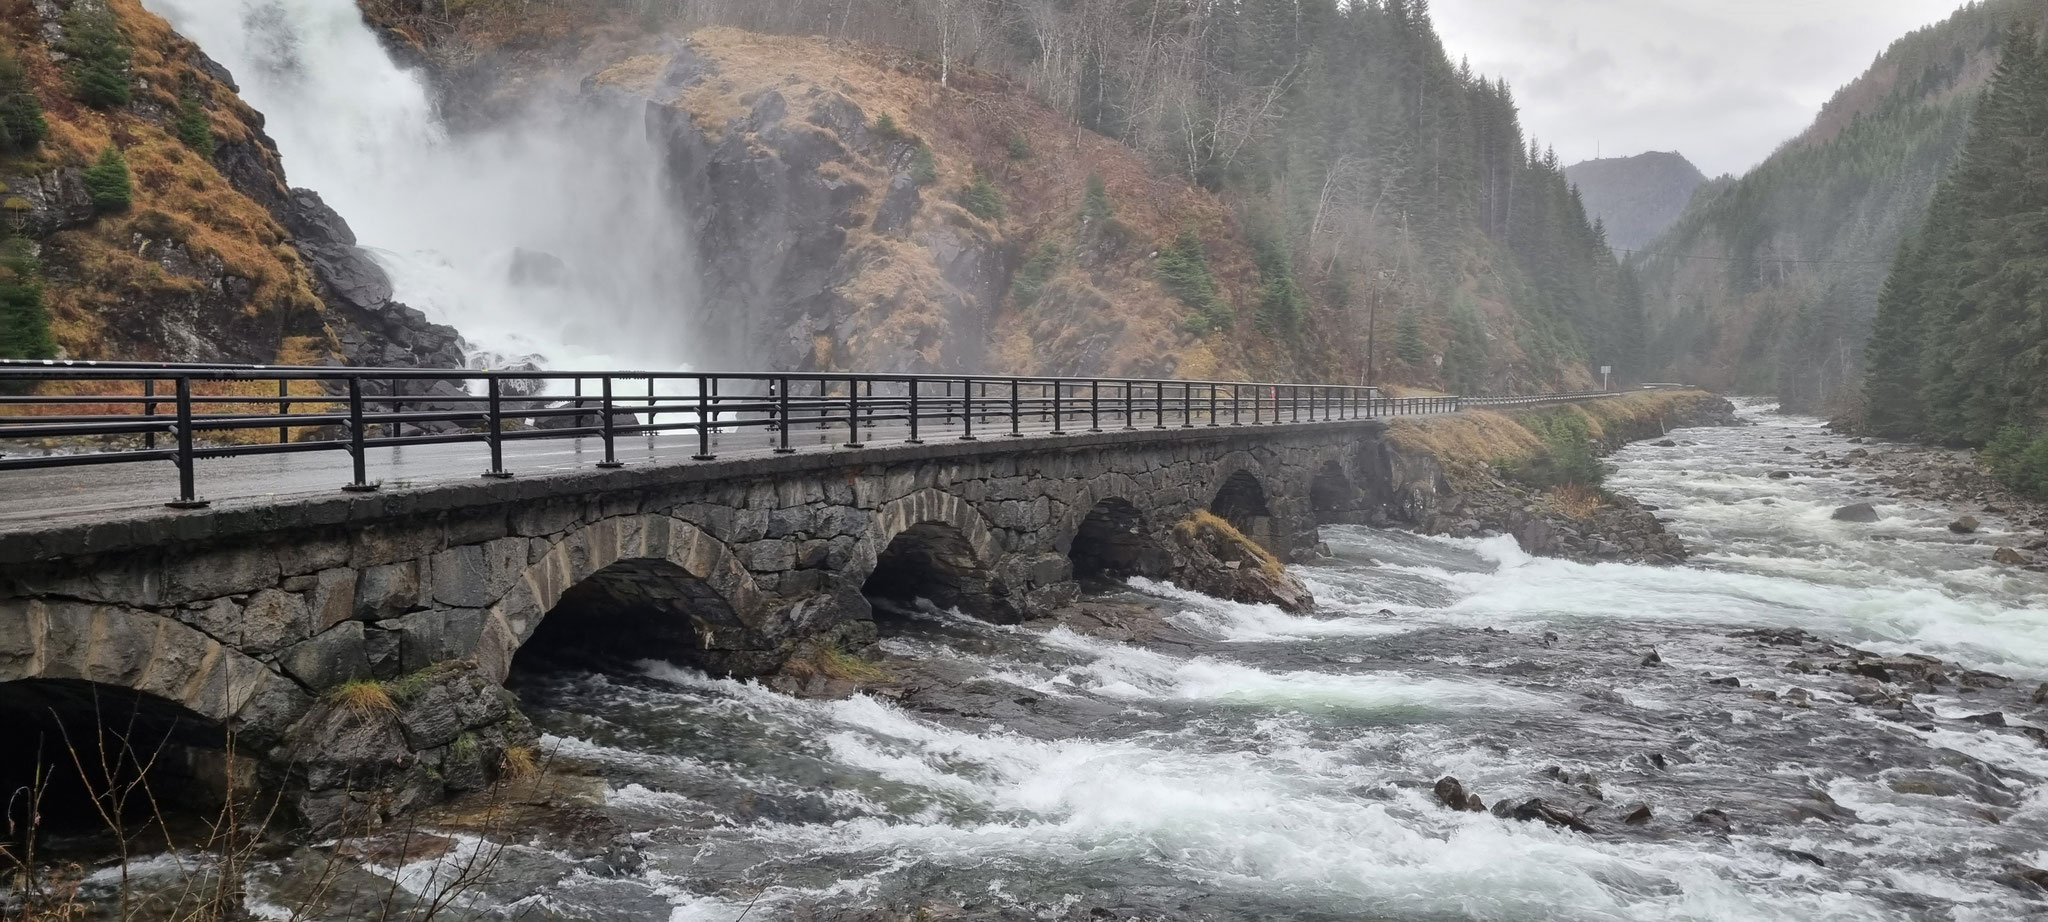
1768	285
1238	200
150	218
1636	198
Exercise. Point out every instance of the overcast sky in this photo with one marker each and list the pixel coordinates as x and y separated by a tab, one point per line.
1721	81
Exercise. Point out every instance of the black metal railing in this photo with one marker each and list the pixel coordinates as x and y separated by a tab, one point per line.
70	414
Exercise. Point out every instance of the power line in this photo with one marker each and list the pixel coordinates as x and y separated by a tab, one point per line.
1770	259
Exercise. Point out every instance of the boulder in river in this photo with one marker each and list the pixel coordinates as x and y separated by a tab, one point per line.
1536	809
1637	815
1781	475
1712	817
2008	557
1967	525
1859	512
1451	793
1667	443
1215	559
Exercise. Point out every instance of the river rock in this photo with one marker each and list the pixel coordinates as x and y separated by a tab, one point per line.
1989	719
1637	814
2007	557
1967	525
1667	443
1537	809
1215	559
1452	794
1714	818
1859	512
1781	475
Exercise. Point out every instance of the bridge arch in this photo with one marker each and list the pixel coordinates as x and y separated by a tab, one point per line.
1333	497
1116	539
936	546
146	653
652	581
1239	497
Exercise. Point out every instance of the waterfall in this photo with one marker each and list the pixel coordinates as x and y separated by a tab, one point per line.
550	233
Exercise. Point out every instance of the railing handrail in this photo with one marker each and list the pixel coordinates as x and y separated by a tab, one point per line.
360	409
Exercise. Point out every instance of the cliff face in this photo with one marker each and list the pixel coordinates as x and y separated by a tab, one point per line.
215	258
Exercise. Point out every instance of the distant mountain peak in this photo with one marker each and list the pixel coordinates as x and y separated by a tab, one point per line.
1636	197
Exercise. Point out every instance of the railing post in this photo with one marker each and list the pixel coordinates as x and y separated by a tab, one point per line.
914	382
853	415
1237	404
1129	418
1212	405
1187	406
1016	394
966	409
284	408
1158	404
188	497
781	386
1258	399
496	434
356	449
1294	402
704	386
611	456
1058	411
1094	406
149	410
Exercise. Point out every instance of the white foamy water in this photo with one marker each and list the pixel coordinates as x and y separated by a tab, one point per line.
554	232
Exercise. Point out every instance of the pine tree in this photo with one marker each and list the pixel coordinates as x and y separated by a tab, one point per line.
1408	344
1465	357
99	66
22	127
193	127
24	323
982	199
1095	203
107	182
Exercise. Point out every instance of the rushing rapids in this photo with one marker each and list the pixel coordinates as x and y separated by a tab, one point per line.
1704	741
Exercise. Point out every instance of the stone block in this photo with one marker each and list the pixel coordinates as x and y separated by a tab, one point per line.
389	590
768	556
332	599
331	658
311	551
272	620
216	573
429	637
476	575
384	543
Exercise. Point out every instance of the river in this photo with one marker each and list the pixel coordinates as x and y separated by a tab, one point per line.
1247	764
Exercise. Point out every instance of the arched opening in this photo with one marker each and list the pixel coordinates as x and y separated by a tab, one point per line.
1333	498
1115	542
634	610
83	758
1241	501
935	562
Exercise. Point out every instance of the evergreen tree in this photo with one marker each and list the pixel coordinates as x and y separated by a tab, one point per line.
982	199
99	65
107	182
24	323
1184	270
1095	203
193	127
1465	357
1408	344
924	170
22	127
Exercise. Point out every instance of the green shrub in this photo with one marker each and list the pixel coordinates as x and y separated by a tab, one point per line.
1184	270
1095	203
1038	270
1019	147
193	127
22	127
24	322
107	182
1566	458
982	199
99	66
887	129
924	170
2019	459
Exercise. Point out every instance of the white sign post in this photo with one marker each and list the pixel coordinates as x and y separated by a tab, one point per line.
1605	371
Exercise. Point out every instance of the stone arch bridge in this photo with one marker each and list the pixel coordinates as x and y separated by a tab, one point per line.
249	619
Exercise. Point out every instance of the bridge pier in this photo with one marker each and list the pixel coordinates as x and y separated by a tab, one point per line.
270	622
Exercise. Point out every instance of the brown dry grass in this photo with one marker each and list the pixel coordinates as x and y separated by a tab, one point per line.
1576	501
362	698
1208	526
1466	441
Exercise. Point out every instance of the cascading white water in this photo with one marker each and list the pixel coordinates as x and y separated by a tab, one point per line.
549	234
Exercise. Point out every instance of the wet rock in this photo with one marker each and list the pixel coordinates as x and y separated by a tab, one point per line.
1967	525
2041	694
1637	814
1653	658
1798	697
2008	557
1797	855
1989	719
1726	682
2024	878
1536	809
899	205
1713	818
1972	680
1452	794
1859	512
1214	559
1781	475
1667	443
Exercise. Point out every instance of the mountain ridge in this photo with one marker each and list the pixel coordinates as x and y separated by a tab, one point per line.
1636	198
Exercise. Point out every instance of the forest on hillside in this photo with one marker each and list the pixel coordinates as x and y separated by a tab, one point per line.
1959	350
1768	284
1373	176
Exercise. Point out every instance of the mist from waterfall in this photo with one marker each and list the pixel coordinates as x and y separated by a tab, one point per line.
552	233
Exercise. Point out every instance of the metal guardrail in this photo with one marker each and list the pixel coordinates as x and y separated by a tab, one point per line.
181	413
